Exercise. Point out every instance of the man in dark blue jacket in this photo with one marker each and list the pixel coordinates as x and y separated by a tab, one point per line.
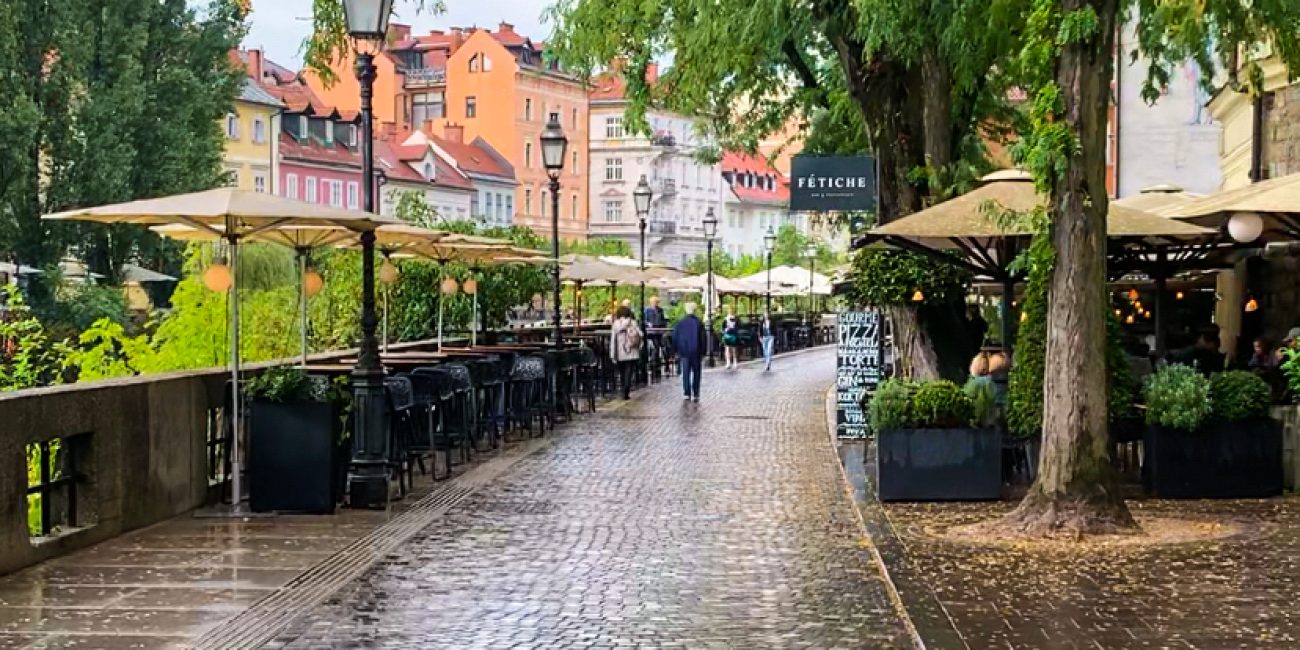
688	339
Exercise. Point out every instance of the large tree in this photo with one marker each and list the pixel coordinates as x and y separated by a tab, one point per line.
1067	67
921	77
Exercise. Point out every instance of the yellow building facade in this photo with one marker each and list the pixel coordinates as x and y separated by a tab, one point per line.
252	132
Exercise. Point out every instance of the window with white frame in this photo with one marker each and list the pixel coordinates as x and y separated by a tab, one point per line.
613	211
510	208
291	186
427	106
259	130
490	210
352	195
259	182
329	133
232	126
613	169
614	127
487	63
311	196
474	65
335	193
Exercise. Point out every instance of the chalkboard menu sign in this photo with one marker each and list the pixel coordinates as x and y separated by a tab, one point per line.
860	369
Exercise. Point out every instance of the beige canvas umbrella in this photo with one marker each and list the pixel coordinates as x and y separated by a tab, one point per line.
233	215
1162	200
1267	211
303	238
965	231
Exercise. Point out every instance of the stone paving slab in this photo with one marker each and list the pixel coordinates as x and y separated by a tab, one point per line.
660	523
1239	592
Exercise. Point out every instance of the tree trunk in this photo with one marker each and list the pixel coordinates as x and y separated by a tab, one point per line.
912	345
1077	489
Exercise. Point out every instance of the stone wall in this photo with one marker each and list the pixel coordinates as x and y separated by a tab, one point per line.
144	460
1282	131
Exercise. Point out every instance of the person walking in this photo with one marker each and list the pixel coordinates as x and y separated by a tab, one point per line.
625	347
688	341
768	340
730	338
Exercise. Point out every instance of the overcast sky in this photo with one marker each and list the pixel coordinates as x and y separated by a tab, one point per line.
279	26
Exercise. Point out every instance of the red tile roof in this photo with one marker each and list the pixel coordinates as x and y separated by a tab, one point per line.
473	158
394	159
298	97
739	163
313	151
393	164
608	86
410	151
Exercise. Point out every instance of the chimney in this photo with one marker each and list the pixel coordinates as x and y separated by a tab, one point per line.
398	33
387	131
457	39
651	73
454	133
255	65
436	32
506	28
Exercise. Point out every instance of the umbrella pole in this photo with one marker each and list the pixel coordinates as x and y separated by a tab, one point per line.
302	302
385	318
236	479
473	325
440	301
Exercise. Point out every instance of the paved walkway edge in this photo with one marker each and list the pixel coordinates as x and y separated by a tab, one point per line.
894	596
260	623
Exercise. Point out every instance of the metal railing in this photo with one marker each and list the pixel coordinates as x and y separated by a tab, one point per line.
420	77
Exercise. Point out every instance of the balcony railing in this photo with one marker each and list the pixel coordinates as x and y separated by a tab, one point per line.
667	140
662	228
423	77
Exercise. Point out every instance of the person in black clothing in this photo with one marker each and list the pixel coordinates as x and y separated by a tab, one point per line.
979	327
688	339
1206	356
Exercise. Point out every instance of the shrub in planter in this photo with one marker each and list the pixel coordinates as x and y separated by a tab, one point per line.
1210	438
927	448
1178	397
891	405
293	432
1239	395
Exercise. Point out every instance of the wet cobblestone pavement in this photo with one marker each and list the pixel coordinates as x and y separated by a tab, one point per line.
1239	592
657	523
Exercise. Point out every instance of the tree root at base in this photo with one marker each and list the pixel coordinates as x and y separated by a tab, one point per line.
1063	515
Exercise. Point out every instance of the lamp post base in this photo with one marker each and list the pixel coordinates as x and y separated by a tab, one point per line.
368	487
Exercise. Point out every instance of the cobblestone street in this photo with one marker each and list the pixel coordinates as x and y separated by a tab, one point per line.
655	523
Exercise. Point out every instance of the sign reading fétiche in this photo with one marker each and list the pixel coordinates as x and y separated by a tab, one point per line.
832	183
859	369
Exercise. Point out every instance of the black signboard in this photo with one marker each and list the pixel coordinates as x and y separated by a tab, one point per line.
832	183
859	370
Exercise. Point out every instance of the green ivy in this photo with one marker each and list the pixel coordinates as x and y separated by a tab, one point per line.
885	277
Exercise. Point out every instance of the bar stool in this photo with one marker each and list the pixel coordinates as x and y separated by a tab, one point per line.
528	393
401	429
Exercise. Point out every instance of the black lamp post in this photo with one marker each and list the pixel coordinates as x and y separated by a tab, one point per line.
812	275
769	244
710	231
554	144
641	197
367	22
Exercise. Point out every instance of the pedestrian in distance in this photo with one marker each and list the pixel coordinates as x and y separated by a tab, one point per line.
625	347
767	337
730	338
689	341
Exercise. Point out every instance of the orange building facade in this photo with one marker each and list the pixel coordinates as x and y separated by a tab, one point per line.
494	85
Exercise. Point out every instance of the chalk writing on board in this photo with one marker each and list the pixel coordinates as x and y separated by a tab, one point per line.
859	369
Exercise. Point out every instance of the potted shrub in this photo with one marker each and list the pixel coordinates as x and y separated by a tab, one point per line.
932	445
294	429
1211	437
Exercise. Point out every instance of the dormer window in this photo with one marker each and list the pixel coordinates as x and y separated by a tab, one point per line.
351	135
329	132
302	127
428	171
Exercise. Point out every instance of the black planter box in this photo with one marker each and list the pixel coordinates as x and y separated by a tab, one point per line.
292	457
1221	460
939	465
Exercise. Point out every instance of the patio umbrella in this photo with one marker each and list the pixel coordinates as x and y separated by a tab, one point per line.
1268	211
471	250
961	231
233	215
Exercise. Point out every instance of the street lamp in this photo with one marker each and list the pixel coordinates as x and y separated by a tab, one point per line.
554	144
811	252
710	231
769	244
367	23
641	198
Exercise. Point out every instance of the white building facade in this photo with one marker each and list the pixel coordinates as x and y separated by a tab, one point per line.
757	199
684	189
